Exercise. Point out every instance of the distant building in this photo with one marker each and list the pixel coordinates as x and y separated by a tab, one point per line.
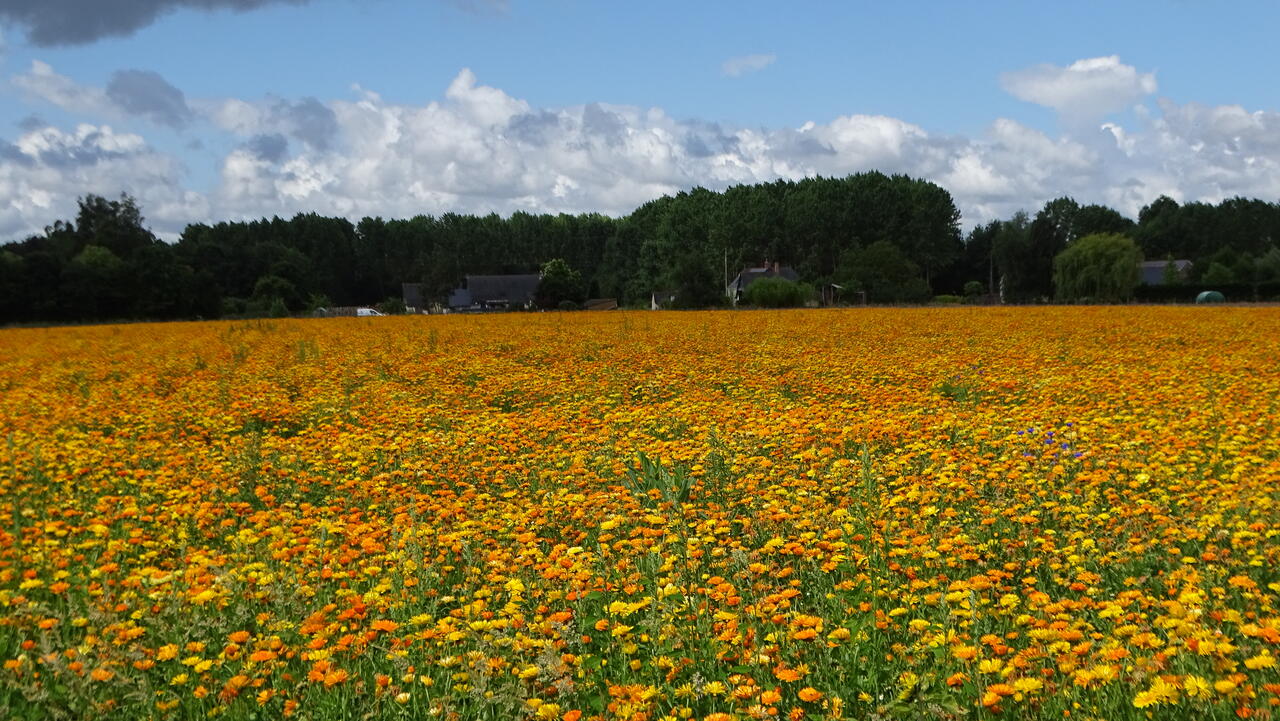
738	286
662	299
412	294
1156	272
495	292
601	304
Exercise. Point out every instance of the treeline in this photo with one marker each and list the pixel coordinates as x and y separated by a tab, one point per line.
894	238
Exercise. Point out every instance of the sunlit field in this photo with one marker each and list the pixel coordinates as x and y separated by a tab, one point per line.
930	513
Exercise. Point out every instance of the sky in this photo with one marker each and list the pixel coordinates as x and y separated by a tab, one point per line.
212	110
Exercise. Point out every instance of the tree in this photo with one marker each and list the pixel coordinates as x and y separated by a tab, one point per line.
1098	267
1051	231
1218	274
1011	251
93	285
695	283
885	273
559	282
1090	219
116	225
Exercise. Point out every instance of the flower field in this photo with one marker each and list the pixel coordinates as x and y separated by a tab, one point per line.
929	513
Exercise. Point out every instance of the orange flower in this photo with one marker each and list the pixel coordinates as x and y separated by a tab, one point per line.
810	694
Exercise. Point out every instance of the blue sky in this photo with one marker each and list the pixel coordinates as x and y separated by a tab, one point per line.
392	108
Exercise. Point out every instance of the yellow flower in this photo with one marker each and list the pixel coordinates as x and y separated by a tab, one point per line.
1195	686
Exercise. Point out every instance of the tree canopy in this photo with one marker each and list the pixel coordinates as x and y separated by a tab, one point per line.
894	237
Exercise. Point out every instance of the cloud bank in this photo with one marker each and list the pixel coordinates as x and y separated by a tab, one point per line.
479	149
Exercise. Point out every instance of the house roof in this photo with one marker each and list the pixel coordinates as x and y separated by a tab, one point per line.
513	289
1152	271
750	275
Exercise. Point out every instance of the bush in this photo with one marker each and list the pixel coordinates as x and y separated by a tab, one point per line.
974	288
392	306
947	299
567	305
777	293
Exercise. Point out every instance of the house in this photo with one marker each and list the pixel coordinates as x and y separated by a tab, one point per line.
738	286
412	294
495	292
662	299
1157	272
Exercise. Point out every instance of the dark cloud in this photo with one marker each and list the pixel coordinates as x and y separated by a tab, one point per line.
32	122
602	123
76	22
308	120
705	139
10	153
145	93
271	147
535	127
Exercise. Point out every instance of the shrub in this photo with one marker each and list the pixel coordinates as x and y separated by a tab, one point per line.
777	293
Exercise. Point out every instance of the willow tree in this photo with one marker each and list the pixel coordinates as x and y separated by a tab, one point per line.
1102	267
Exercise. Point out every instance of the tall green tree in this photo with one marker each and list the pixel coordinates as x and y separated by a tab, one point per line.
559	283
1102	267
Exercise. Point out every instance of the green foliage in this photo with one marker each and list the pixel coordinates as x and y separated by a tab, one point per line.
1217	274
392	306
948	299
973	289
777	293
695	283
568	305
652	483
559	283
1100	267
885	273
894	237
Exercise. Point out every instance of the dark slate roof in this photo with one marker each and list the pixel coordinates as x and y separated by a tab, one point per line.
512	289
1153	270
750	275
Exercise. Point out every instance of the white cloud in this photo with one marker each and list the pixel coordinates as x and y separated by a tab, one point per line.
743	64
46	169
43	82
1088	88
478	149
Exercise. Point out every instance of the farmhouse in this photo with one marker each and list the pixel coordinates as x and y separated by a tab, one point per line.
739	284
1158	272
495	292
